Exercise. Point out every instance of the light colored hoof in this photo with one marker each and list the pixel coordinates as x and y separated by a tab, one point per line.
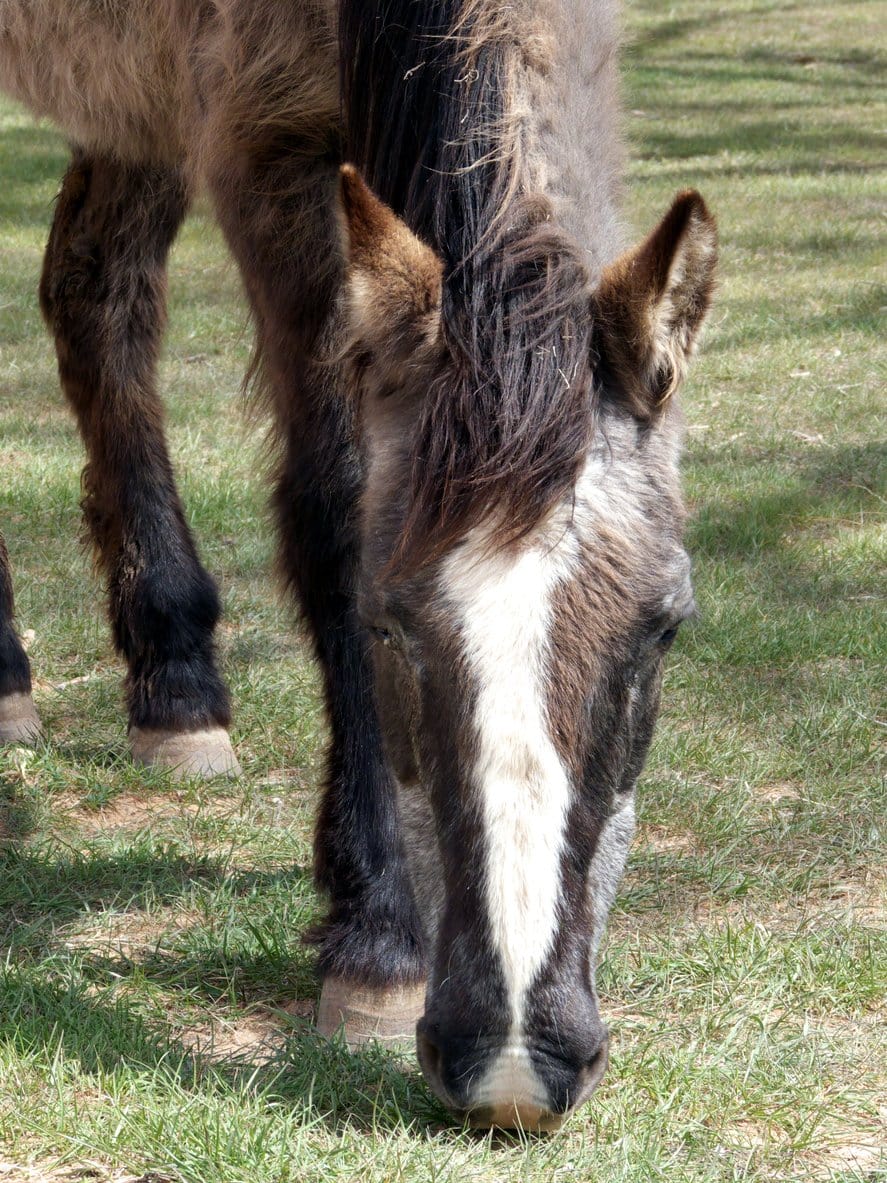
19	721
206	753
387	1016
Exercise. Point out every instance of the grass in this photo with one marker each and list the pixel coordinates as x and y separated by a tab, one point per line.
153	990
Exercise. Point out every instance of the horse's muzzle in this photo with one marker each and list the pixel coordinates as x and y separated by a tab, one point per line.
510	1087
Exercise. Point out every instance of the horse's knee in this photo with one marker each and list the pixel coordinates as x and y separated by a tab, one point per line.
59	265
113	226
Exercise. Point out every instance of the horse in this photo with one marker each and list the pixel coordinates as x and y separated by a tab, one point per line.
472	379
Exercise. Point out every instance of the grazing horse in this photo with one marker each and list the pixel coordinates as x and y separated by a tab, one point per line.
473	387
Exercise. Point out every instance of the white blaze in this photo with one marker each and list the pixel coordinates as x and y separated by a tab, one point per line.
503	604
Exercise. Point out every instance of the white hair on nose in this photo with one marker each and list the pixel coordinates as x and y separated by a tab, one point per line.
503	607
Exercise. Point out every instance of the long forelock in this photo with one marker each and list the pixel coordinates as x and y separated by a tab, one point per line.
444	139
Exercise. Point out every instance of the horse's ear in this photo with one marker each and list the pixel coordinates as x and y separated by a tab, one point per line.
651	304
394	279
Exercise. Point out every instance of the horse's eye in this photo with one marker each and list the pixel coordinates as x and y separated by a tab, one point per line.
381	634
666	638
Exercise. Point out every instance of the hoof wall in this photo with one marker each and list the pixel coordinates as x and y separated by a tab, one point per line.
387	1016
19	721
206	754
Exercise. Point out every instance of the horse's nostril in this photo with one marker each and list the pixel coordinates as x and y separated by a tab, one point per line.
595	1069
428	1054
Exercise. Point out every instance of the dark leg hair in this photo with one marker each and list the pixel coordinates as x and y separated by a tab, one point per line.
280	222
103	295
18	718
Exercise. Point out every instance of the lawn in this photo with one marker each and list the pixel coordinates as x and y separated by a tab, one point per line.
154	995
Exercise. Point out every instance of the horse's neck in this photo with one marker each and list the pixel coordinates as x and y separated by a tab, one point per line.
567	87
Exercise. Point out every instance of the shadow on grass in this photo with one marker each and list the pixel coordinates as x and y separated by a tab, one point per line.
262	961
679	29
763	138
827	485
860	311
372	1090
96	1010
791	128
18	820
42	887
718	169
105	1030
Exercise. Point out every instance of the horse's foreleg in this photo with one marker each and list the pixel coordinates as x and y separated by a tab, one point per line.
103	296
370	950
370	946
18	717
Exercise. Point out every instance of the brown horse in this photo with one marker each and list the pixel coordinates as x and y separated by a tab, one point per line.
477	494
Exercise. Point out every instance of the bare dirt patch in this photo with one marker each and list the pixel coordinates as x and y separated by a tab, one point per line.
663	840
129	934
130	812
861	900
777	792
88	1173
257	1037
863	1157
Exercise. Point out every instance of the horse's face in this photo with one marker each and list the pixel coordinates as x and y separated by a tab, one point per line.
518	685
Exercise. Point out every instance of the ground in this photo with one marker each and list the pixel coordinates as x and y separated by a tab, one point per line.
153	988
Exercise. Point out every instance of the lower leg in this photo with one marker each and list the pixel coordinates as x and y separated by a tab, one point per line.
370	947
103	295
19	722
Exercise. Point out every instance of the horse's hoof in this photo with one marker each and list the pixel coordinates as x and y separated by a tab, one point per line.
206	753
387	1015
19	721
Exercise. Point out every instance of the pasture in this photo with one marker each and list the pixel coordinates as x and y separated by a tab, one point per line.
154	995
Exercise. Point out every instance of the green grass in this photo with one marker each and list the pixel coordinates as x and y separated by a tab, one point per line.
153	989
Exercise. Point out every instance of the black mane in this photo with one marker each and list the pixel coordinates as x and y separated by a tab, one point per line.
428	96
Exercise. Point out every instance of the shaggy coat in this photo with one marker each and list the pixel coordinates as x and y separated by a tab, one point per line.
472	388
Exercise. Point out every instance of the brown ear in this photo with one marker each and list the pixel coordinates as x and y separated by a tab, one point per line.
394	279
651	304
